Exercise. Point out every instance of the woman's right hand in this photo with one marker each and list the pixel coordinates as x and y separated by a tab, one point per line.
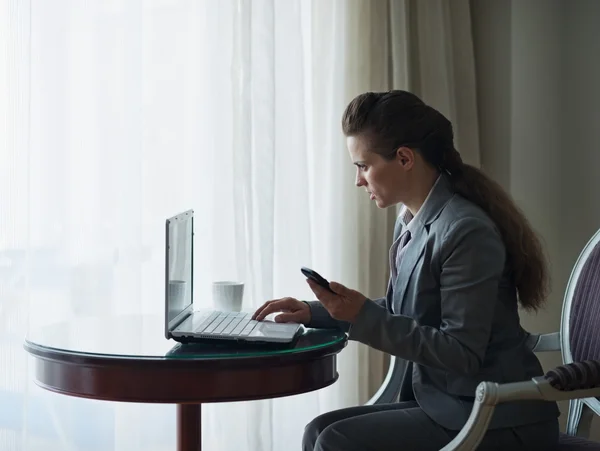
293	311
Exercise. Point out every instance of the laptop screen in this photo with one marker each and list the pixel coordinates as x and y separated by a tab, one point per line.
179	265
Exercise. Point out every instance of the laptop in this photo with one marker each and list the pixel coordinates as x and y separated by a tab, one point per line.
183	323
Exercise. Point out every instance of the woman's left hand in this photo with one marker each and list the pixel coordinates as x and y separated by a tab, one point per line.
343	304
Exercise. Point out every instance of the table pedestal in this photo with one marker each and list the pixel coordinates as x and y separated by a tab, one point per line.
189	427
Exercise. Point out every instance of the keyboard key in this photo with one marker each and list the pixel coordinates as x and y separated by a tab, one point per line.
206	322
214	324
240	326
251	325
226	321
232	325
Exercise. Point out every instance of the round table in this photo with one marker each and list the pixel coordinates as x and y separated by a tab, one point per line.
128	359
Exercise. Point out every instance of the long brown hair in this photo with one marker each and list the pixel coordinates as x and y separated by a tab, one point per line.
399	118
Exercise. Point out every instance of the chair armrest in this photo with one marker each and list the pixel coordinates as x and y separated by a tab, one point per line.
390	388
544	342
560	384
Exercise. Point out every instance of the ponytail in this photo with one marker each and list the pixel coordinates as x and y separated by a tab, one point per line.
524	249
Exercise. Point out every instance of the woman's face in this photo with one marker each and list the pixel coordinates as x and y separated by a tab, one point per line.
386	181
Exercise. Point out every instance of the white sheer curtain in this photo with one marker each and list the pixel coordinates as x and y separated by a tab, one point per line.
116	114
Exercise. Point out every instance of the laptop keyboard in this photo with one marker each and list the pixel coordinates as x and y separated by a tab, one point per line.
227	323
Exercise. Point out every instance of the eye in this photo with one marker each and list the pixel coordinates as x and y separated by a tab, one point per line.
362	167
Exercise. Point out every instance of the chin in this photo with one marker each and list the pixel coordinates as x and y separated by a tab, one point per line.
381	203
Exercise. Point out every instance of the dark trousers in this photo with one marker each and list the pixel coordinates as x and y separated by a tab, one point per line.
405	427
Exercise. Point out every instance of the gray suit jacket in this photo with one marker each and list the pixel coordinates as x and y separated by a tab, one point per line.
452	315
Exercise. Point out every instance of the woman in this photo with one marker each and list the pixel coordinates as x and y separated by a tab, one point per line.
463	257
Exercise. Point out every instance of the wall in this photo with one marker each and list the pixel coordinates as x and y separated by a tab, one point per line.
539	106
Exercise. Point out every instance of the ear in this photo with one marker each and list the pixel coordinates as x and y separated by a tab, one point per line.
405	156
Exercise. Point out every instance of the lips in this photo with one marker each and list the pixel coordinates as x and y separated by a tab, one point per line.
372	196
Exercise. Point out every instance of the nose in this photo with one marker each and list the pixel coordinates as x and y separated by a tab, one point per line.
360	181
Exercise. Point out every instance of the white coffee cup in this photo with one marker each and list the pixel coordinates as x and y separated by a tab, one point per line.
228	296
177	293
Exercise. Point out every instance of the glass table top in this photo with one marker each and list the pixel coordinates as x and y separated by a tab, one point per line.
143	337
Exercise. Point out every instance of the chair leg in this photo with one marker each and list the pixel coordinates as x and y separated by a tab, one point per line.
579	421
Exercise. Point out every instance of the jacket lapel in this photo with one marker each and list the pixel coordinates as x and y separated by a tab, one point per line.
412	252
440	195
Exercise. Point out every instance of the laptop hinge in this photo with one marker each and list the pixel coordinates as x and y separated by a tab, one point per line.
175	322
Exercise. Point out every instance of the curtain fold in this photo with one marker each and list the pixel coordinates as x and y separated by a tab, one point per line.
439	66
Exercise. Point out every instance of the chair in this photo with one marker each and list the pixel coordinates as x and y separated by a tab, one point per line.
577	380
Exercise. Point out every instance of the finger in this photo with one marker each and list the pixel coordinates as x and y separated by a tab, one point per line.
323	295
340	289
346	292
294	317
265	305
267	309
261	308
274	306
315	287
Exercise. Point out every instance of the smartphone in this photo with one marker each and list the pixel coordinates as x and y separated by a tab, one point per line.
316	277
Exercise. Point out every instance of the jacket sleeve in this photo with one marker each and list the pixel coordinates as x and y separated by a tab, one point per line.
321	319
473	256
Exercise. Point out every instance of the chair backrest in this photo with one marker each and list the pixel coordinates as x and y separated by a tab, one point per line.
580	325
